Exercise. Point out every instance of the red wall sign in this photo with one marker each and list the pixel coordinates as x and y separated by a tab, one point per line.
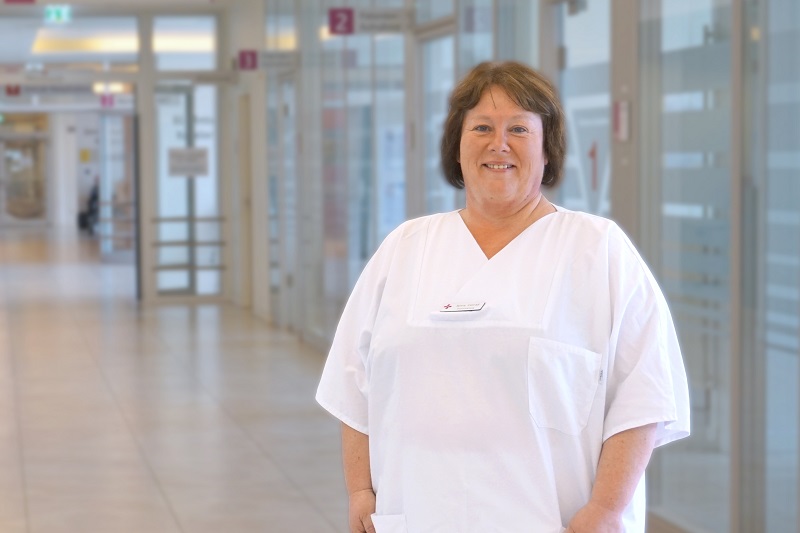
248	59
13	90
341	21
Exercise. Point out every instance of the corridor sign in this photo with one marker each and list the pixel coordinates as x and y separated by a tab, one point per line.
348	20
188	162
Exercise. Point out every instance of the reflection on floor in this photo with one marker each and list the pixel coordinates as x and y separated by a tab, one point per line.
121	418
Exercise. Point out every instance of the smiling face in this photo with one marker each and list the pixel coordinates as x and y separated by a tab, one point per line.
501	154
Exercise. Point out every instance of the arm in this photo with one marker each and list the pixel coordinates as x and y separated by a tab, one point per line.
358	479
622	462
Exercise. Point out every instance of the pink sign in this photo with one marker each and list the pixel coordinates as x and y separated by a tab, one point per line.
106	100
341	21
248	59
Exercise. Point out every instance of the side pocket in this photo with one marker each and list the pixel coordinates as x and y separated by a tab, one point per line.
562	382
389	523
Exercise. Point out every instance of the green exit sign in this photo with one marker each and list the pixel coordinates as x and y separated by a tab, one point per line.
2	118
57	14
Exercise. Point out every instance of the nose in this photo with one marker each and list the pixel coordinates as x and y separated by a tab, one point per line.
498	141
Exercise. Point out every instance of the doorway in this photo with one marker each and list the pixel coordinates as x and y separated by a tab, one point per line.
24	184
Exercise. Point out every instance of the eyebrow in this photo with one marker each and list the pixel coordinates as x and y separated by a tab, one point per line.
520	116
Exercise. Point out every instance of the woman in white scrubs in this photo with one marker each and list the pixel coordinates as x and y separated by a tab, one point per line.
508	367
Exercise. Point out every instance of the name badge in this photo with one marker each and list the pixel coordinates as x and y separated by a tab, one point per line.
462	308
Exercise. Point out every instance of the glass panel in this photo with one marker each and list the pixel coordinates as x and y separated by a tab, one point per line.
428	10
86	43
25	184
173	255
518	30
185	43
173	281
172	123
209	282
275	198
584	86
329	224
389	135
281	30
438	82
360	160
206	188
332	287
687	89
117	188
476	39
208	256
173	231
778	267
207	231
289	199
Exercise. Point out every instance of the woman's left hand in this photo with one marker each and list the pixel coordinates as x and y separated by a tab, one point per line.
594	518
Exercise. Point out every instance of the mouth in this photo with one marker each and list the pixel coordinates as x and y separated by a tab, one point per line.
504	166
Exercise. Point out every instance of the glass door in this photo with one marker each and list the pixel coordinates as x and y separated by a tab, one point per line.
438	80
687	105
290	301
117	188
583	80
189	235
23	181
771	263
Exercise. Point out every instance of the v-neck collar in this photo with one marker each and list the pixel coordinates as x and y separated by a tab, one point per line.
476	247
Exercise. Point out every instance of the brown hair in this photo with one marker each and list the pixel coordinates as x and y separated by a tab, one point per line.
529	90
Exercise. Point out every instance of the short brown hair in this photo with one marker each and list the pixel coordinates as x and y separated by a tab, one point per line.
529	90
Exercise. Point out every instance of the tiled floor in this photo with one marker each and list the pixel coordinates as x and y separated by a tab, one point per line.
119	418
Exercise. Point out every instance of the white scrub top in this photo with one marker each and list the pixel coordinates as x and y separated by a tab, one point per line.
492	419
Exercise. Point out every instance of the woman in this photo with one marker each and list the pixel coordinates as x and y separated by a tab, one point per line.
508	367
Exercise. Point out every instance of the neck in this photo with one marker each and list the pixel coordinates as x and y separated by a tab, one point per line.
493	232
522	217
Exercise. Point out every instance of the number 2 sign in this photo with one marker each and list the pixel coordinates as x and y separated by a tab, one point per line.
341	21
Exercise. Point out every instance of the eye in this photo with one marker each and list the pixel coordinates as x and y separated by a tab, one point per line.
481	127
519	129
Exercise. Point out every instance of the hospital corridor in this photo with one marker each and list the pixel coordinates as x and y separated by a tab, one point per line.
190	190
165	419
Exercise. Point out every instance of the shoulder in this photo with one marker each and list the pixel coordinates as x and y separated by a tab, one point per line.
415	229
587	223
593	232
411	227
405	237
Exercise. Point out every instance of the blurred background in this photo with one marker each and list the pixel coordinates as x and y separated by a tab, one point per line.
252	154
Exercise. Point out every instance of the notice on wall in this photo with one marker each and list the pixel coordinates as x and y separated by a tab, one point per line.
347	20
268	60
188	162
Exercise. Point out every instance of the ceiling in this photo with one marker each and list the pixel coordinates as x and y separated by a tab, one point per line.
27	40
101	30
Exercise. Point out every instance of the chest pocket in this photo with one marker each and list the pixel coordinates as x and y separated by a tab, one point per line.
562	382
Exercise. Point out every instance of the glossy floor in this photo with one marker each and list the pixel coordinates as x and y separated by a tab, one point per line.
118	418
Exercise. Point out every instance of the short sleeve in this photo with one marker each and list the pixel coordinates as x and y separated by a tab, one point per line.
344	386
647	380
